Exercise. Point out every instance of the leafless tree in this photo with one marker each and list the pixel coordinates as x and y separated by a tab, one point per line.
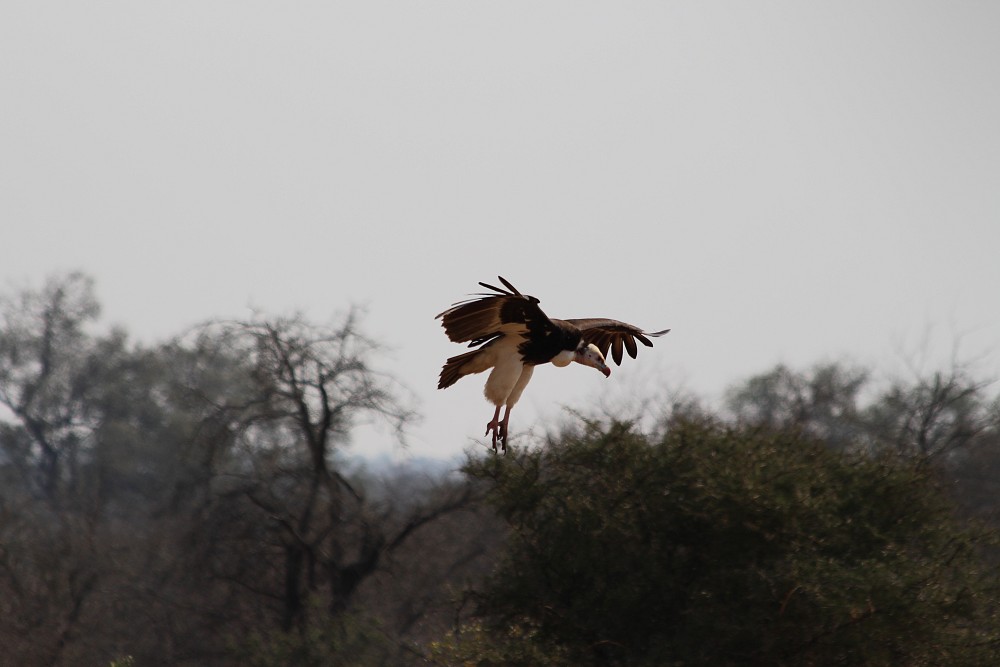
321	534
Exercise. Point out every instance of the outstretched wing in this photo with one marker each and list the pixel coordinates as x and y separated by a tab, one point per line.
614	335
489	315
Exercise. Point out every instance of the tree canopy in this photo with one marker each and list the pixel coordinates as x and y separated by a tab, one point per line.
711	544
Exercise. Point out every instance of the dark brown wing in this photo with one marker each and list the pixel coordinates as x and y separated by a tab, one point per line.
614	335
488	315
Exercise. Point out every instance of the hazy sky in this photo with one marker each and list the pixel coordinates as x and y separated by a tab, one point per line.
776	181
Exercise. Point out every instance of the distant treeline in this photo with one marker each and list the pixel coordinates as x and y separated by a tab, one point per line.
190	503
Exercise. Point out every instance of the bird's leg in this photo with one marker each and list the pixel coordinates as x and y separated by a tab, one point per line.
495	427
503	429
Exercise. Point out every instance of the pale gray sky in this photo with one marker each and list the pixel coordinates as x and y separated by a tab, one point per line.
776	181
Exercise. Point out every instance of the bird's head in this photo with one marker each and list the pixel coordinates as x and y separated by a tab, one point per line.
588	355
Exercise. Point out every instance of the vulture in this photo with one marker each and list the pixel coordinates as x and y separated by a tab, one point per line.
512	335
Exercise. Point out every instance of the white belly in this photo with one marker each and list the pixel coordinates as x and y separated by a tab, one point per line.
507	370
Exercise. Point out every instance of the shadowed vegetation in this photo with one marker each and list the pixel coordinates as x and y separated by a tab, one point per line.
199	502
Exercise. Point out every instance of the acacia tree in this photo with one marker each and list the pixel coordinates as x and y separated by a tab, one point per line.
934	415
86	459
931	416
47	363
824	401
51	367
307	532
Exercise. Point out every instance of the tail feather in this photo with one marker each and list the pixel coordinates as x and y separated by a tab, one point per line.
452	370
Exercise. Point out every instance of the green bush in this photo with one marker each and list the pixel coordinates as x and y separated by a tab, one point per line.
713	545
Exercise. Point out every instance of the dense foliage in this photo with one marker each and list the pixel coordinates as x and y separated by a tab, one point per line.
716	545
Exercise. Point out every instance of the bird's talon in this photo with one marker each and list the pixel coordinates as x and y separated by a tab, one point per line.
493	426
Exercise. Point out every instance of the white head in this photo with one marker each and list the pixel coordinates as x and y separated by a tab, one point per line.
589	355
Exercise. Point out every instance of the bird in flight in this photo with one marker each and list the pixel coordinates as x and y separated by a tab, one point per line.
512	335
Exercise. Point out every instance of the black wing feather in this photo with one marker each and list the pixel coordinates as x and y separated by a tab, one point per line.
616	349
487	316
